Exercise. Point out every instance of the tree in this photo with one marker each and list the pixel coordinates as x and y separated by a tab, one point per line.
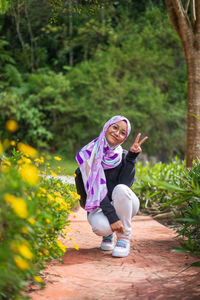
185	18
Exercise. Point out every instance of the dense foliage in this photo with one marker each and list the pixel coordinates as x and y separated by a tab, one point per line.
171	187
33	219
61	81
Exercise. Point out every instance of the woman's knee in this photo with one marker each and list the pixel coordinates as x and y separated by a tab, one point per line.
100	226
122	193
101	231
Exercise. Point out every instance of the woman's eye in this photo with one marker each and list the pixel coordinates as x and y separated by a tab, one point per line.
115	127
123	133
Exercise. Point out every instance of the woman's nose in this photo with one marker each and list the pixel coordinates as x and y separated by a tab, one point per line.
117	132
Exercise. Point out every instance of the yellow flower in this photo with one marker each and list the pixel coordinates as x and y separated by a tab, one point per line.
38	279
26	160
46	235
53	174
61	246
58	167
58	184
74	175
46	252
13	143
66	236
20	161
21	263
57	158
27	150
57	194
49	196
25	251
43	190
18	205
48	221
25	230
11	125
1	149
7	162
30	174
76	246
31	221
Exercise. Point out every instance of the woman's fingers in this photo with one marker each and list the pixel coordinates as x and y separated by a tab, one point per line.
137	138
143	140
137	144
117	226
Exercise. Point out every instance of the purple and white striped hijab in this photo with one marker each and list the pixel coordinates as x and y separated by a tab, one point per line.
96	157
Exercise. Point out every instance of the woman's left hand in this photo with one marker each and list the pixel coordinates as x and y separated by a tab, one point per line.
136	147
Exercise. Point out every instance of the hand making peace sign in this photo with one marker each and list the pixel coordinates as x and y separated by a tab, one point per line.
136	145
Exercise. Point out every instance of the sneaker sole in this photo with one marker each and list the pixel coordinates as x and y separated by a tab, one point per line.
107	248
120	254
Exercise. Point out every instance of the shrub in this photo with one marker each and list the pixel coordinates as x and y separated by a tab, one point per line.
170	187
33	217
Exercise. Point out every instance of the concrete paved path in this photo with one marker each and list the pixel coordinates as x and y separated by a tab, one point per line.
151	271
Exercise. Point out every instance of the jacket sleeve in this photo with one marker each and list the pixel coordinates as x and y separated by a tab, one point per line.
127	172
109	210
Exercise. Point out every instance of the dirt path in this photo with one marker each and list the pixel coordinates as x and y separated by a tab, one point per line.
151	271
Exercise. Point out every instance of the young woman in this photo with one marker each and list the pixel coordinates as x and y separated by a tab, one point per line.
104	177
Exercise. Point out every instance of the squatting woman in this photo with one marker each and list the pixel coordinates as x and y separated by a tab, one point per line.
104	177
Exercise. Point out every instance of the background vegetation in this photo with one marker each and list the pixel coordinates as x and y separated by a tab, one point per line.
61	81
34	209
171	188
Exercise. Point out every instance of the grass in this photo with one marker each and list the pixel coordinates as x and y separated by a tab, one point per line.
65	166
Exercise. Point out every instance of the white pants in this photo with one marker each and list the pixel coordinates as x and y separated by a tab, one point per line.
126	205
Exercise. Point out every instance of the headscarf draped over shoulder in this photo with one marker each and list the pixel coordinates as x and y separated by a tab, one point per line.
96	157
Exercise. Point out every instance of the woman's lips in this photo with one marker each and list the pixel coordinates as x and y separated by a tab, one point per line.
114	137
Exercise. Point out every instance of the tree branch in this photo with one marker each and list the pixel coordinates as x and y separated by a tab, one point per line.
16	14
197	8
183	23
31	36
172	15
187	5
193	12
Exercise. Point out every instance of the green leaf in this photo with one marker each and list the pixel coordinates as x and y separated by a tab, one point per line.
195	264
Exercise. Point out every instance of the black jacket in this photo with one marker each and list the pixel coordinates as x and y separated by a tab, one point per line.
124	173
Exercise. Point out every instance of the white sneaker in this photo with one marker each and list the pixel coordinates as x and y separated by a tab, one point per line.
107	243
121	249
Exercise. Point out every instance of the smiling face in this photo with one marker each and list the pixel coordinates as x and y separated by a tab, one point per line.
116	133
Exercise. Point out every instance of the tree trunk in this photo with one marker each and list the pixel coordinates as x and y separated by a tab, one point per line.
187	27
193	126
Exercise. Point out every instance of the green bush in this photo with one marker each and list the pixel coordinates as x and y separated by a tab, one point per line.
33	218
170	187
